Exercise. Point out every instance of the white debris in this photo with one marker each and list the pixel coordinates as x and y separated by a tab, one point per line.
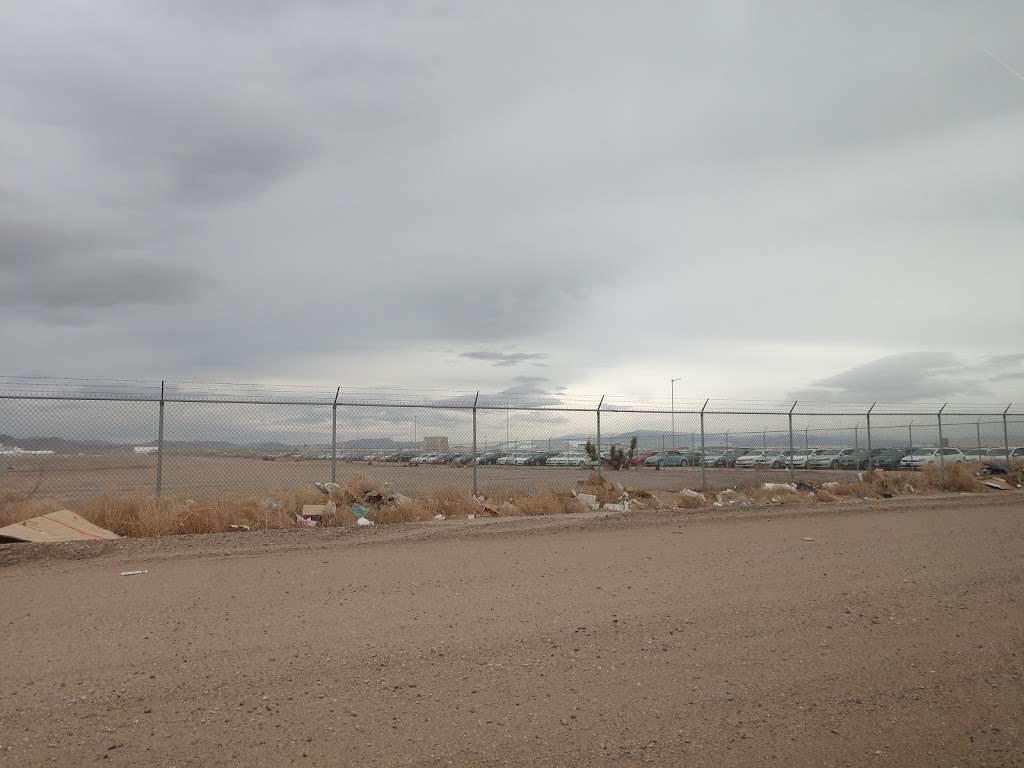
588	500
364	521
133	573
471	516
622	506
780	487
439	517
693	495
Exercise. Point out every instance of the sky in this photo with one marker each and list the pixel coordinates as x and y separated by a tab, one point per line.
814	200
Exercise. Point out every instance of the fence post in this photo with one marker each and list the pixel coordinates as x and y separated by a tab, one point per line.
792	461
703	462
600	402
334	438
871	458
942	456
1006	437
160	446
977	428
475	399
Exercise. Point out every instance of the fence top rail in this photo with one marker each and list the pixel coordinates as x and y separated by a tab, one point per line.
41	388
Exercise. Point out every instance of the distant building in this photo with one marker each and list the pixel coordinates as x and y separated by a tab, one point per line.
146	449
435	443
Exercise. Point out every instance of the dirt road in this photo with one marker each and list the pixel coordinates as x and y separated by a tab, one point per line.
865	634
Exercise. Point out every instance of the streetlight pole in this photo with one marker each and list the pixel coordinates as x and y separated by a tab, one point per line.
672	387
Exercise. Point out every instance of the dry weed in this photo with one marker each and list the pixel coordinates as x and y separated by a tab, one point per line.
544	502
687	502
606	491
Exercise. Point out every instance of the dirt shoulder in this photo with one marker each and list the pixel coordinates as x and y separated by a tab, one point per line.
881	633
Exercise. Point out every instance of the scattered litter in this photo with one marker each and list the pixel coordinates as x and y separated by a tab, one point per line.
490	510
998	483
622	506
439	517
314	513
805	485
992	469
238	526
471	516
831	485
62	525
588	500
808	538
364	521
780	487
133	573
693	495
359	510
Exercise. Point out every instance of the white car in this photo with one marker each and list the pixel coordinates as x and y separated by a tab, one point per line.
751	460
424	458
922	457
829	459
569	459
800	458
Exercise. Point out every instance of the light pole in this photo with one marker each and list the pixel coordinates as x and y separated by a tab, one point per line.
672	387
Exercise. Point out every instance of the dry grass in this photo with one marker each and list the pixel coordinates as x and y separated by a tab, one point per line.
606	491
140	515
688	502
951	478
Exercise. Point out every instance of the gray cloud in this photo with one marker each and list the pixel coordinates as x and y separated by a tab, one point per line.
914	376
318	189
503	359
115	282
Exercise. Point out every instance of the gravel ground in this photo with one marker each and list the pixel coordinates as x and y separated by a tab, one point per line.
864	633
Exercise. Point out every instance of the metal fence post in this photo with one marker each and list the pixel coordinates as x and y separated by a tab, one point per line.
475	399
703	462
871	458
1006	438
600	402
792	458
334	437
160	446
942	456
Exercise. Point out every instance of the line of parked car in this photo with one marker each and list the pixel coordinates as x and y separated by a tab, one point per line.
518	458
822	458
740	458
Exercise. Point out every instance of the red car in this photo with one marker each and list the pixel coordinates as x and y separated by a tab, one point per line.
640	458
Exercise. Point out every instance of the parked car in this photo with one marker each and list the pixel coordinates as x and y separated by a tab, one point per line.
570	459
887	458
801	457
641	458
488	458
856	459
831	459
1016	454
723	457
750	460
667	459
775	458
922	457
423	458
977	454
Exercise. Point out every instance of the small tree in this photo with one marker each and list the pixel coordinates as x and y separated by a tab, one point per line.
591	451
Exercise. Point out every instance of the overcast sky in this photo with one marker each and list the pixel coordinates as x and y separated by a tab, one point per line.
804	199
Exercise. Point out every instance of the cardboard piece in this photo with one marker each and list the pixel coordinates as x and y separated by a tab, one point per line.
63	525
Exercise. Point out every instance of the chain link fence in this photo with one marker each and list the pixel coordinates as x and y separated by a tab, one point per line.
69	439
